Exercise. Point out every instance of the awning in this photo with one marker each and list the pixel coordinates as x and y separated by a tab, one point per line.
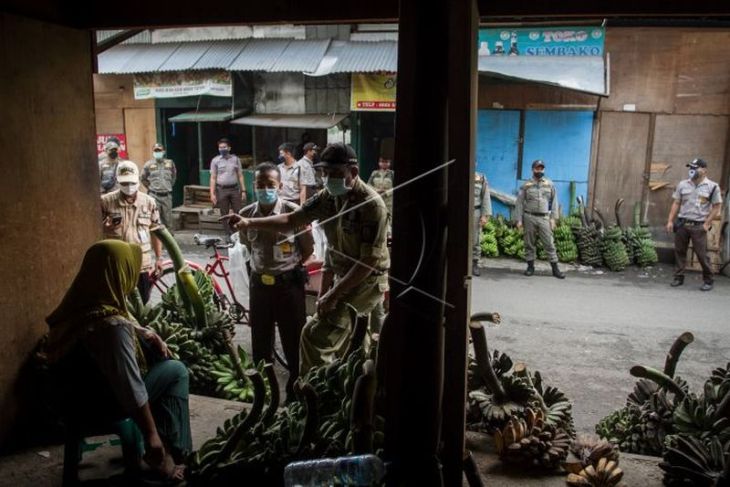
207	115
580	73
299	120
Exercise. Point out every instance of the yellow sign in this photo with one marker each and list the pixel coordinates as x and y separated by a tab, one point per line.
373	92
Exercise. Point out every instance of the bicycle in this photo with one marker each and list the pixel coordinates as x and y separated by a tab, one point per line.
216	269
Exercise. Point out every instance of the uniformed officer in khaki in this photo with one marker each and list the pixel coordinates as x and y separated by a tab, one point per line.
354	219
536	209
108	168
482	213
227	190
278	277
697	203
132	216
158	176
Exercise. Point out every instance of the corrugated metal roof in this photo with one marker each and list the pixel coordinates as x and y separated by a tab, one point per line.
301	56
293	120
144	37
185	57
364	57
112	60
259	55
149	58
220	55
206	115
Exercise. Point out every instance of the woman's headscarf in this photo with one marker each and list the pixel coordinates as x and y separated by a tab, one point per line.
109	272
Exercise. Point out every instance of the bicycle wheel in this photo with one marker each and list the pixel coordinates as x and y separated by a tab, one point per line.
161	283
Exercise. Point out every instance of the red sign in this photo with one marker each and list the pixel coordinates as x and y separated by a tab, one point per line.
102	139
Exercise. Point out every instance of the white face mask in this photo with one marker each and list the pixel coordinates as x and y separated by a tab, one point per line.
129	189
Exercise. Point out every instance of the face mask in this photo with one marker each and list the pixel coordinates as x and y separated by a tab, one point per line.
335	186
538	175
693	174
113	154
129	189
158	154
224	152
282	159
267	196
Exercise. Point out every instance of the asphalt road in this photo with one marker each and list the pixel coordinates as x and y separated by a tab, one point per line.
584	333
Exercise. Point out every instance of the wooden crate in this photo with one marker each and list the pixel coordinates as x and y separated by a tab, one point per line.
693	262
195	195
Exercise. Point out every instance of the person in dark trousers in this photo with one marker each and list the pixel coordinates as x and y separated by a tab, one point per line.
697	203
227	190
277	275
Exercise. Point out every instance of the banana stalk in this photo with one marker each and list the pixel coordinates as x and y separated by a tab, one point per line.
520	370
659	377
670	365
312	420
359	331
251	419
234	356
273	406
571	208
190	289
617	212
178	263
484	363
363	410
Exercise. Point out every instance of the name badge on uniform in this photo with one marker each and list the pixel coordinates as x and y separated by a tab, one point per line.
268	280
284	250
144	236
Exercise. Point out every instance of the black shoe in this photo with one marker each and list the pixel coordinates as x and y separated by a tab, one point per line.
706	286
678	281
475	269
530	268
556	271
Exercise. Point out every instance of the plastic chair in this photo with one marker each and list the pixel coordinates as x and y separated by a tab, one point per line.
75	445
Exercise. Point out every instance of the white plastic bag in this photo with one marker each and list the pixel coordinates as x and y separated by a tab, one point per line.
320	241
238	256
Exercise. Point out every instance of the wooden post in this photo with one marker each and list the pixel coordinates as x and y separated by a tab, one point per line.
463	88
413	333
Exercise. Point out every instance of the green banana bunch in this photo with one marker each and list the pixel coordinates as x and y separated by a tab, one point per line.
229	385
565	244
692	461
613	250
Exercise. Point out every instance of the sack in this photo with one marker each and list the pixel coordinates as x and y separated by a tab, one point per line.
238	257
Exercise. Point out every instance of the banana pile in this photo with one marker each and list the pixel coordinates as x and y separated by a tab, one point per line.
510	240
587	237
613	250
565	241
588	450
256	446
488	240
638	240
199	348
606	473
228	383
532	442
691	461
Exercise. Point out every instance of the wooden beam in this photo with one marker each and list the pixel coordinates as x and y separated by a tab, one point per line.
462	92
413	332
117	38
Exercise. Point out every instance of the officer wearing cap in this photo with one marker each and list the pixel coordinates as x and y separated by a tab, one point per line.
697	202
536	209
108	168
354	219
276	291
132	216
482	213
158	176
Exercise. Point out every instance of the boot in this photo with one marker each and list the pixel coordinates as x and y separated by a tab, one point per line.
530	268
556	271
475	268
678	281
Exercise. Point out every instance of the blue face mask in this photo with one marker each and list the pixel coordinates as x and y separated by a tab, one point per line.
335	186
267	196
282	159
224	152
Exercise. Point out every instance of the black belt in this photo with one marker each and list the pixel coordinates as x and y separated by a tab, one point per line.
536	214
292	275
691	223
159	193
230	186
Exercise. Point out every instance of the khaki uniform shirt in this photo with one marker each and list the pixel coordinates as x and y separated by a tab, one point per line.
383	181
537	197
357	234
139	219
158	175
226	170
268	256
293	178
482	200
108	175
695	201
